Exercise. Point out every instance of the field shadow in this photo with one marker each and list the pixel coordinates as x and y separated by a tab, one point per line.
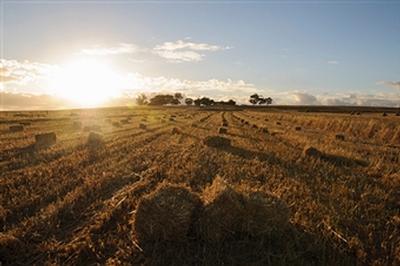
339	160
289	246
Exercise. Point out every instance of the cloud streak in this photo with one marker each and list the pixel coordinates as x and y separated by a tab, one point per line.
22	72
391	84
122	48
182	51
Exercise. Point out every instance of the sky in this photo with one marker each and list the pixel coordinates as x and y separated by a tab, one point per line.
297	52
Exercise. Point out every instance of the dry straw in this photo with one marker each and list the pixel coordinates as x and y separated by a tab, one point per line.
165	215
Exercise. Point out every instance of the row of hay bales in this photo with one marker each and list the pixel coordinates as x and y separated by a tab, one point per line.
173	213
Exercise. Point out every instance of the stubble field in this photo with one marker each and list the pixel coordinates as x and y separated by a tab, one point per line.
75	202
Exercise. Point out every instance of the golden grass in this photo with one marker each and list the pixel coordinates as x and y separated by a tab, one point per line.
63	205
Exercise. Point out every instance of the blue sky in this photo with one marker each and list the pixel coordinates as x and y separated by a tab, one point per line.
321	49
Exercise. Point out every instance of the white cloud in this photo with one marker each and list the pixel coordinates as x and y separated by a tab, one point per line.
391	84
182	51
122	48
22	72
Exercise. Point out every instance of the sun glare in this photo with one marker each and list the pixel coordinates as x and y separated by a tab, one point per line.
85	82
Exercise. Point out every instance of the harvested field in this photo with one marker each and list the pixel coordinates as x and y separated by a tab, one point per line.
325	194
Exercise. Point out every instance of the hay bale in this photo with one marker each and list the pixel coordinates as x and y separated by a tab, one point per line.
222	130
167	214
264	130
255	126
142	126
298	128
339	137
217	141
172	119
311	151
175	130
225	124
95	140
116	124
223	212
384	114
398	114
278	123
16	128
264	213
45	140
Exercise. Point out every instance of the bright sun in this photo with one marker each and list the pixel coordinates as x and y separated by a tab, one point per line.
85	82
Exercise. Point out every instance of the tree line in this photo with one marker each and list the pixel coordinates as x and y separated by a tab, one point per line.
178	98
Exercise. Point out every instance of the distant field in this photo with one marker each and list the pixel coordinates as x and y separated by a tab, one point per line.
74	202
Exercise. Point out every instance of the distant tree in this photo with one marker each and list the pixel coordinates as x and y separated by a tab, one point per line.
141	99
231	102
178	96
254	99
197	102
163	99
188	101
259	99
175	101
204	101
262	100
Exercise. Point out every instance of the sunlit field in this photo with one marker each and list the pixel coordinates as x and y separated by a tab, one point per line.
296	187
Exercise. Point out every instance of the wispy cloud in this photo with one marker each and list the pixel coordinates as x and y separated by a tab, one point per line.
122	48
22	72
391	84
183	51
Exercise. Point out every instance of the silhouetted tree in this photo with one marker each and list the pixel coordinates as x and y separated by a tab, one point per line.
178	96
141	99
254	99
163	99
204	101
189	101
259	99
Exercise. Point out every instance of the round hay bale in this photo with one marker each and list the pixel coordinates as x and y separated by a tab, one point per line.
217	141
165	215
116	124
339	137
311	151
95	140
264	213
222	130
223	212
45	140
